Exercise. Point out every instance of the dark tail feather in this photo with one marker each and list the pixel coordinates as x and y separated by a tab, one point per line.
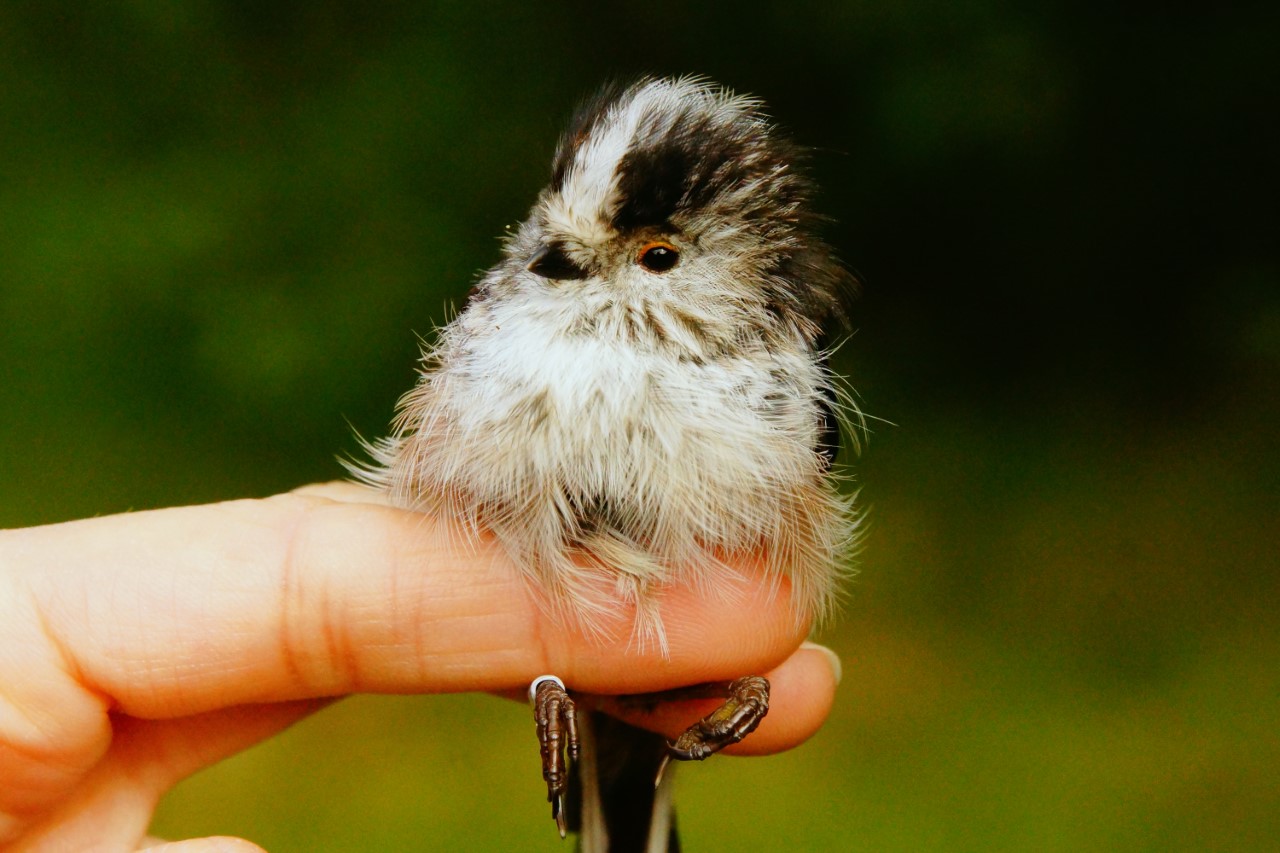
613	804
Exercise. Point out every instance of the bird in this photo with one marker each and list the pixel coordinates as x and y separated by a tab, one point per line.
637	393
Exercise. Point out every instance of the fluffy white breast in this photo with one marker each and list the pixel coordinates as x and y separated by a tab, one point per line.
520	411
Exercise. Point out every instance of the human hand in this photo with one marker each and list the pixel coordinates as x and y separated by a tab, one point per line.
137	649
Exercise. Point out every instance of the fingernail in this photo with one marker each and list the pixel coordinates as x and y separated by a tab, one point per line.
836	667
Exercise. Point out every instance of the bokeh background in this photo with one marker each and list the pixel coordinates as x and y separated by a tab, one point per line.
222	224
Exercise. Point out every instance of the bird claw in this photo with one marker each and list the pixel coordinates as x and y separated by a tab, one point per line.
746	706
554	713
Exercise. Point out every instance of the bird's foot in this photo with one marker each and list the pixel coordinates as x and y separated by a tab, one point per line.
554	712
745	707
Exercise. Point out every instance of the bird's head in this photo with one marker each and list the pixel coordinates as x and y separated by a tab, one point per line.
679	192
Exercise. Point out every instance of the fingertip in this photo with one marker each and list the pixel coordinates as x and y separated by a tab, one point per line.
802	691
837	668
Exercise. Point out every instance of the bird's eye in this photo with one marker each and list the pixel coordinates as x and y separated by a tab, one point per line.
658	256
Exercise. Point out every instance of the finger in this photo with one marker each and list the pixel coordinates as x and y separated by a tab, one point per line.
143	759
802	691
160	753
186	610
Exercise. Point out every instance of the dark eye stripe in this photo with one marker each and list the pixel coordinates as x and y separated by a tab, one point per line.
553	262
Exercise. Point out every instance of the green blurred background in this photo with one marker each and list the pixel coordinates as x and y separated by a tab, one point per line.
222	224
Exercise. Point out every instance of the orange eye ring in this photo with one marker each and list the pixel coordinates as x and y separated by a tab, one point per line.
658	256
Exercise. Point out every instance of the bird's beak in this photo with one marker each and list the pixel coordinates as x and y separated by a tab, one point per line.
551	261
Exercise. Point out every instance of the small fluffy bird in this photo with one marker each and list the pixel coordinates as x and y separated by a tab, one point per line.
636	395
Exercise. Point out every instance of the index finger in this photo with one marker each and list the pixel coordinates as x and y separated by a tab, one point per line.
181	611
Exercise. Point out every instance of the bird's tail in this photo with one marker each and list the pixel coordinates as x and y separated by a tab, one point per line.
615	801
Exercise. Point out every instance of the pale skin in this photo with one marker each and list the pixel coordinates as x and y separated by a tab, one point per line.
137	649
